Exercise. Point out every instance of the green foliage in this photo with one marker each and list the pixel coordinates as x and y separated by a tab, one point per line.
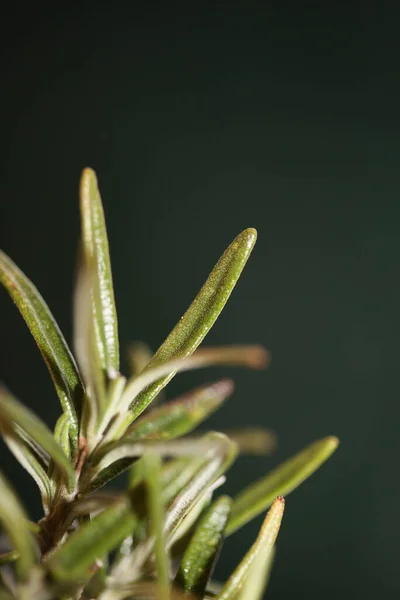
161	537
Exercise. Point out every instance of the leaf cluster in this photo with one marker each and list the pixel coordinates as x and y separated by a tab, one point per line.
161	536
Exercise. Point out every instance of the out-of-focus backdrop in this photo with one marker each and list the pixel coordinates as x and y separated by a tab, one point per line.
200	122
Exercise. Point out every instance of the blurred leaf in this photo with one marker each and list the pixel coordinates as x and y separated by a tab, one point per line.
72	561
13	518
253	357
139	356
252	440
126	449
201	315
13	412
179	417
281	481
199	559
95	245
87	352
47	335
152	470
263	546
9	557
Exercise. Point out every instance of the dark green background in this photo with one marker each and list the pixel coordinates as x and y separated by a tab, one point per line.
201	122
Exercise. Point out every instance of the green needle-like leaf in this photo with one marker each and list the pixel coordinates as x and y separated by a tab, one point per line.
202	552
47	335
72	561
13	413
281	481
13	519
152	470
202	314
179	417
262	546
95	246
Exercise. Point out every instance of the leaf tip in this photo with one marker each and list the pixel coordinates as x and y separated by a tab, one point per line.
258	357
332	442
249	236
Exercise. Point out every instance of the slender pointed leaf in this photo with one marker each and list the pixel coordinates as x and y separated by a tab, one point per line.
263	545
199	559
152	470
281	481
73	560
13	518
202	314
13	412
95	244
179	417
47	335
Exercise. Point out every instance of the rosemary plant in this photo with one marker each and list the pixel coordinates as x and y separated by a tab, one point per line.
161	536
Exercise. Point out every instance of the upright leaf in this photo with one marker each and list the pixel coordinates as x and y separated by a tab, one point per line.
262	546
180	416
87	352
202	314
281	481
47	335
95	244
14	413
13	519
202	552
152	469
